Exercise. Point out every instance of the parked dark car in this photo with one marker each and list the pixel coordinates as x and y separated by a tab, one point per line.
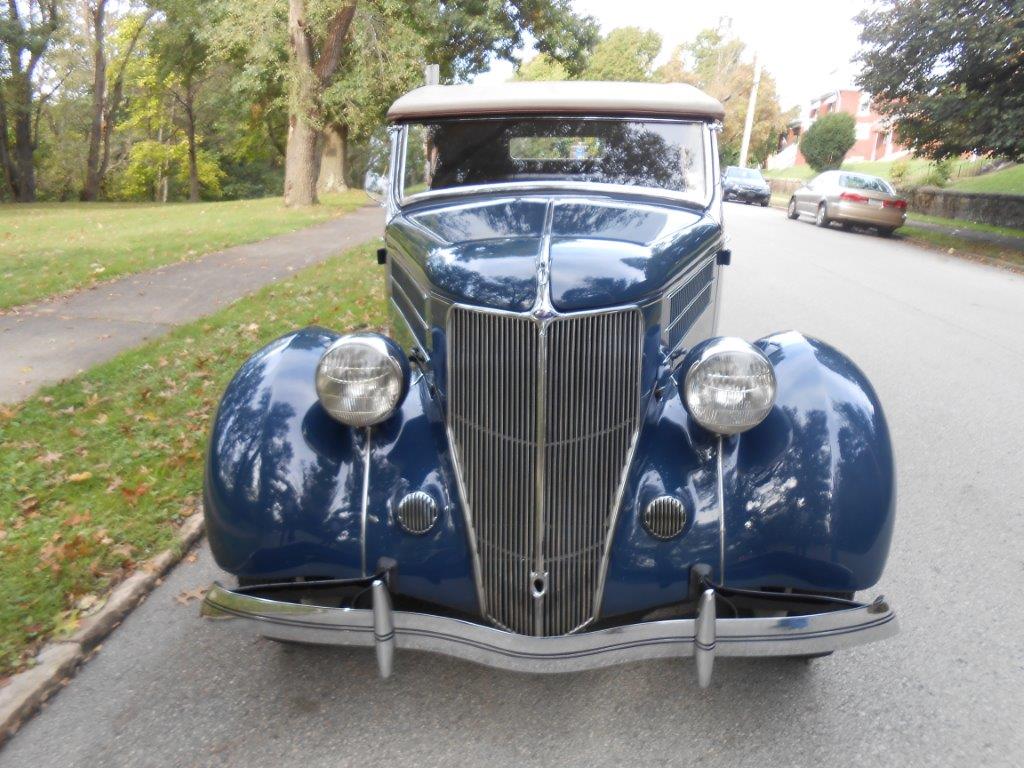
746	185
554	462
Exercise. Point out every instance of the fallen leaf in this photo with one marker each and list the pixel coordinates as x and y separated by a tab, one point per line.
191	594
79	477
101	419
49	457
86	602
189	559
133	494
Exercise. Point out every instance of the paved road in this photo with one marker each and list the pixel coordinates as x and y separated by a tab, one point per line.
943	340
52	340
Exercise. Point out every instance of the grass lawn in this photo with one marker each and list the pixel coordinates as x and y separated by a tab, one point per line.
48	248
96	471
961	246
1009	181
963	224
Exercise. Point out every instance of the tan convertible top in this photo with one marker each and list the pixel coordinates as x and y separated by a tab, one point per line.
557	98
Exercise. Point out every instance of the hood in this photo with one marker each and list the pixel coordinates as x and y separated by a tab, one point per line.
603	252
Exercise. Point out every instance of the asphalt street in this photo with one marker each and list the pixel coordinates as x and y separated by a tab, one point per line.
943	341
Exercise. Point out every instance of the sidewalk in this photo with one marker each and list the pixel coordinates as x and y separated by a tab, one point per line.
51	340
979	236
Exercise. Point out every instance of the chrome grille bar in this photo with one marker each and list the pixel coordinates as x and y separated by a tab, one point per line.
542	415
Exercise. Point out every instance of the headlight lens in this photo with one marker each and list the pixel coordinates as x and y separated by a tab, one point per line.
730	388
361	379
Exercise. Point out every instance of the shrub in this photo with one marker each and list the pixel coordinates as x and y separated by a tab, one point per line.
827	141
939	173
899	173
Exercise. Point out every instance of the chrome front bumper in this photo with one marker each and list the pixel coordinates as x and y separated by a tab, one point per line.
703	637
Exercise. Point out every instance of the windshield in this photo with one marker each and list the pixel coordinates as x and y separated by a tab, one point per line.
748	174
456	153
870	183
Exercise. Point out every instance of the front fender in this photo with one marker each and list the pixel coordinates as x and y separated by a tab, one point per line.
811	492
286	492
806	500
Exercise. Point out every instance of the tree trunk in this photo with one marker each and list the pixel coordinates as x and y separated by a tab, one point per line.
300	155
310	74
6	160
334	159
24	147
95	14
300	163
193	165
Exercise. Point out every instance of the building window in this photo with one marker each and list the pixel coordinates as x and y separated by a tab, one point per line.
864	107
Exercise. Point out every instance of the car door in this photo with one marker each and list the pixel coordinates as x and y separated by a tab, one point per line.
806	196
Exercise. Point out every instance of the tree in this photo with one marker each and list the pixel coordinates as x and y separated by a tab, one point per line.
541	67
949	74
184	63
460	35
27	28
715	64
107	93
382	61
626	53
827	141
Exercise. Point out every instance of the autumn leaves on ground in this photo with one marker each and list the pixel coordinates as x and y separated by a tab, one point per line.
95	473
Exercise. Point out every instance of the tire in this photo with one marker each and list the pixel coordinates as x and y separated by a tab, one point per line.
764	204
886	231
791	211
822	219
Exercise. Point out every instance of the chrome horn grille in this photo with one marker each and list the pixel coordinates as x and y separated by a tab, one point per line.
542	415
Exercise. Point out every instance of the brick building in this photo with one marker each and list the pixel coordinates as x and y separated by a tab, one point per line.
875	139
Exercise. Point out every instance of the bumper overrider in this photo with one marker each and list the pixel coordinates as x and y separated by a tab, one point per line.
704	636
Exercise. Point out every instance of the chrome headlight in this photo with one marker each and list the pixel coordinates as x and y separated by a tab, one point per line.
361	379
730	388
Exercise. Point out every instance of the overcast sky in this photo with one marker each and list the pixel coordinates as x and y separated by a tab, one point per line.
806	44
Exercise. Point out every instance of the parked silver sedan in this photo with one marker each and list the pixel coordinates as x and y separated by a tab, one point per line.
850	198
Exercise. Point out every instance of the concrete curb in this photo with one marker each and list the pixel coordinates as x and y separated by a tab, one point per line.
57	661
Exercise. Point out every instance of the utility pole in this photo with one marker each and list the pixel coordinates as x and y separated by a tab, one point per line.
748	124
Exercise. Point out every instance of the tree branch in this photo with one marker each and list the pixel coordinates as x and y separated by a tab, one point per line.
334	44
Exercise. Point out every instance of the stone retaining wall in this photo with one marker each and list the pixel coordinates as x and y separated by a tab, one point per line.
1000	210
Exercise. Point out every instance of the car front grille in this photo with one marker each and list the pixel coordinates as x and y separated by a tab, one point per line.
542	416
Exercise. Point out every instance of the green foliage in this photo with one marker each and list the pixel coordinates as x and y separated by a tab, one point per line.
949	73
151	161
939	172
542	67
627	53
899	173
715	63
827	141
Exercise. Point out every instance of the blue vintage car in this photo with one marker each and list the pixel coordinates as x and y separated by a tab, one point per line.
553	463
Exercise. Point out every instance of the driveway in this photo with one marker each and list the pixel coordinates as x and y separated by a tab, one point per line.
942	340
